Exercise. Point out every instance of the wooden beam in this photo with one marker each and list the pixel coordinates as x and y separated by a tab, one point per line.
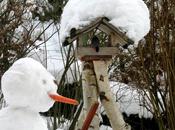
104	25
116	40
117	31
90	116
94	58
85	29
103	51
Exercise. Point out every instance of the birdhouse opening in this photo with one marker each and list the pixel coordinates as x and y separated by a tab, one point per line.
95	45
95	38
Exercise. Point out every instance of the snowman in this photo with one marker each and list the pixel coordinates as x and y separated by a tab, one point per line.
28	89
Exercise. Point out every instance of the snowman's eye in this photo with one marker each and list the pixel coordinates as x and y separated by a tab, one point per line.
44	81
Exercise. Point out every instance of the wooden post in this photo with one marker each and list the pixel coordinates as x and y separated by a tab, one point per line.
111	107
90	116
89	96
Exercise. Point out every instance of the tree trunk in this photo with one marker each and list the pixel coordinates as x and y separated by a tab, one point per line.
89	96
111	107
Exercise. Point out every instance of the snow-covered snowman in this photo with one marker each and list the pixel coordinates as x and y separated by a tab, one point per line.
28	89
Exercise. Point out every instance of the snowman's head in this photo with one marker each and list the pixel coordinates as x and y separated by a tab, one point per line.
28	84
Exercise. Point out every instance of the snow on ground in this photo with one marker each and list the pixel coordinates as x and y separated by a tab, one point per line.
62	126
103	127
130	99
131	16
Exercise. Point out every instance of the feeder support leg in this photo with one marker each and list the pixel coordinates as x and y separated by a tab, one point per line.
111	107
90	96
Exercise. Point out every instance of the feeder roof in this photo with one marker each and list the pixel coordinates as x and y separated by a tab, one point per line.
129	16
100	23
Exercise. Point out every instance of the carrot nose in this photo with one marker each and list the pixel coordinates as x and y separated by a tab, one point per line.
63	99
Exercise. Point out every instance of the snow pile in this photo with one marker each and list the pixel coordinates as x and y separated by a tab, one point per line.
131	16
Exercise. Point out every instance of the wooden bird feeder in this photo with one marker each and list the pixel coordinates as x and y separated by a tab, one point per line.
97	43
110	38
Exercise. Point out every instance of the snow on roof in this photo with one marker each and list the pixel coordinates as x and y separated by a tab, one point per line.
131	16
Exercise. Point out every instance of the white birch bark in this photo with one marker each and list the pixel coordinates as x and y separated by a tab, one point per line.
89	96
107	100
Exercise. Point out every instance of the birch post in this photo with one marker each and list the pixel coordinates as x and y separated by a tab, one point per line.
89	96
111	107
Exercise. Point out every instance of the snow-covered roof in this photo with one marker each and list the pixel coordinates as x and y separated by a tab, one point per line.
102	24
130	16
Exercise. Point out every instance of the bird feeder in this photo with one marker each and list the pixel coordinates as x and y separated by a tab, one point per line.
99	40
96	44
